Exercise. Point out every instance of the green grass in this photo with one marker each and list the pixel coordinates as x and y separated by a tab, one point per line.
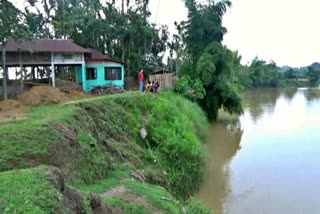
127	207
155	194
114	178
27	142
120	177
29	191
98	132
38	116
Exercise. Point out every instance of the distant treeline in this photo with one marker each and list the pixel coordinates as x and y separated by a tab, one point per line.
267	74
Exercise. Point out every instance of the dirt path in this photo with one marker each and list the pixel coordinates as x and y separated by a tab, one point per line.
80	101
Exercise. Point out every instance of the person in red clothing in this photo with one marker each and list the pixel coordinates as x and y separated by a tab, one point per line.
140	76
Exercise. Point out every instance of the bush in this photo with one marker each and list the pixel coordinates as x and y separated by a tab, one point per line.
195	207
191	89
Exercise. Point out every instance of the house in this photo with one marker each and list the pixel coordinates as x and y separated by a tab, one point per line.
100	70
89	67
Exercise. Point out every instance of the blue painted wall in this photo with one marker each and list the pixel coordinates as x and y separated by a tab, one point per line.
100	80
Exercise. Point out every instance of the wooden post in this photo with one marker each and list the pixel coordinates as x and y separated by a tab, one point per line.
53	72
53	76
21	72
33	75
5	72
48	74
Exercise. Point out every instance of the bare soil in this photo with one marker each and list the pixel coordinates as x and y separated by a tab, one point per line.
17	109
12	109
78	94
42	95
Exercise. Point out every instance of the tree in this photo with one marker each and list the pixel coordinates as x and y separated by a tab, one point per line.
123	33
216	70
192	89
204	25
263	74
14	27
313	75
207	61
290	74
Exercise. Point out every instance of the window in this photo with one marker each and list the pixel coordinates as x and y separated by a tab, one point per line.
91	74
112	73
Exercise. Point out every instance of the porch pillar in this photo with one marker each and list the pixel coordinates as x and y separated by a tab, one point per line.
84	81
53	75
5	73
53	72
122	75
21	72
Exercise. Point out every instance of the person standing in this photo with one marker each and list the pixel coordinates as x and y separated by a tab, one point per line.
140	76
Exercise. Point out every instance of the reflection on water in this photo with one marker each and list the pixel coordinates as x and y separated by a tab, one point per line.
259	101
224	142
277	169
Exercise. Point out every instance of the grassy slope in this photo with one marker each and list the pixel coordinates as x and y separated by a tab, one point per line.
36	190
120	177
95	137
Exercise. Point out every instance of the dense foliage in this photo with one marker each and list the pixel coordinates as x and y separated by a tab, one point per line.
13	22
267	74
119	29
259	74
192	89
205	61
313	74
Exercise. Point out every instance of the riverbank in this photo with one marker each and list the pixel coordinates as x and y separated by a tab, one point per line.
95	147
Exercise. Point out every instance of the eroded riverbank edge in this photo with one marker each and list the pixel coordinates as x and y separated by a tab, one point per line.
96	147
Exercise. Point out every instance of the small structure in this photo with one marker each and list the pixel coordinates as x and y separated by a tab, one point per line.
60	59
163	76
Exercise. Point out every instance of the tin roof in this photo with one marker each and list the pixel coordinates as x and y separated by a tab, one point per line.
96	55
46	45
161	71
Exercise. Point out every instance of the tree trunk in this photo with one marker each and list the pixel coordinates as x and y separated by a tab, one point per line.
177	63
123	51
145	7
122	7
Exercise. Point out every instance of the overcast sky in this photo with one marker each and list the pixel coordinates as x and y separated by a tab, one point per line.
286	31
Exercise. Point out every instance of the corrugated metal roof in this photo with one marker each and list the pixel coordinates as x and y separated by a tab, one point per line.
96	55
46	45
161	71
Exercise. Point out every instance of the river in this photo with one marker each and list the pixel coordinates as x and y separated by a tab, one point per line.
268	160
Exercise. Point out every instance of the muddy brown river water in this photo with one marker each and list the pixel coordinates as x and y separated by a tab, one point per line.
268	160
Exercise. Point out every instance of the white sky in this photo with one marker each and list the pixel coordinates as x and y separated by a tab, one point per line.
286	31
